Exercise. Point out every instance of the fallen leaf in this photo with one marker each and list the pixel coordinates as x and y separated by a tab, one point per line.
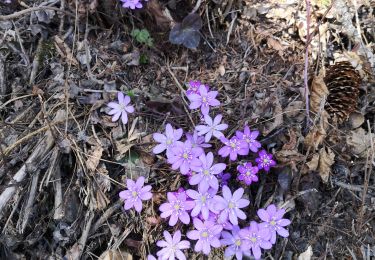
318	132
115	254
307	254
318	93
278	118
276	45
95	154
294	108
356	120
221	70
326	160
359	141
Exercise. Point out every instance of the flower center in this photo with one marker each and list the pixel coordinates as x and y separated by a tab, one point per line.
134	194
273	222
253	239
231	205
177	206
185	155
206	172
203	199
169	141
204	99
238	242
122	106
233	145
204	234
248	173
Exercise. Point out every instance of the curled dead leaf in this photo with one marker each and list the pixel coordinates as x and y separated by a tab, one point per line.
318	93
114	254
318	132
326	160
94	158
359	141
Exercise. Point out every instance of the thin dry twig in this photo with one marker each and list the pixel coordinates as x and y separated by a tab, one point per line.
308	17
32	9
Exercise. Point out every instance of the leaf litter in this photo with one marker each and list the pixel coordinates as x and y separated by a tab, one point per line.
259	72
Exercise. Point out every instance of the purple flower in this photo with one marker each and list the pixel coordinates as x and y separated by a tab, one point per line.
234	242
197	141
135	193
213	127
122	108
248	173
233	147
167	140
204	100
172	246
176	208
205	173
184	156
132	4
250	138
202	198
265	161
207	234
151	257
214	217
230	206
255	238
274	221
224	177
194	87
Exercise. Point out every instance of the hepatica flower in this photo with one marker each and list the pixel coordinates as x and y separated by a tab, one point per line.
254	238
248	173
203	199
233	147
184	156
172	246
231	205
176	208
212	127
206	173
194	87
122	108
250	138
265	160
274	221
204	100
132	4
135	193
166	140
233	241
197	141
207	234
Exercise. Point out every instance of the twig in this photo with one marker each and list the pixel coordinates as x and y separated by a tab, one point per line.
308	14
38	153
36	61
105	216
30	201
14	99
32	9
3	89
196	7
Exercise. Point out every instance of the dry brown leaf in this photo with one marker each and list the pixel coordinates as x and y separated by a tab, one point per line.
278	119
326	160
294	108
64	50
318	93
289	156
292	143
307	254
318	132
101	200
94	158
276	45
115	254
359	141
313	164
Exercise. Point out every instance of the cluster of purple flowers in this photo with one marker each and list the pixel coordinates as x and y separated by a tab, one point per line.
132	4
209	204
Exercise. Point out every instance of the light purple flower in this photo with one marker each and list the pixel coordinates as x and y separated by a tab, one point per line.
176	208
230	206
255	238
166	140
132	4
135	193
122	108
214	217
233	241
184	156
207	234
202	198
248	173
194	87
205	173
233	147
265	161
224	178
172	246
151	257
274	221
204	100
197	141
212	128
250	138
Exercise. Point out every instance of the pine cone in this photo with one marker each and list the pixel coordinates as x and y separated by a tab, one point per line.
343	82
